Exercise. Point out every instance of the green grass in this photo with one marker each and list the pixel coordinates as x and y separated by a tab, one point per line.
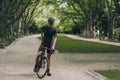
110	74
65	44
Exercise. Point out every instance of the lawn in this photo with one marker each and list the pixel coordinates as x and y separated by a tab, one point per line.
110	74
67	45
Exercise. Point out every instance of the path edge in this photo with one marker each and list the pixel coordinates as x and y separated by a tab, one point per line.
96	75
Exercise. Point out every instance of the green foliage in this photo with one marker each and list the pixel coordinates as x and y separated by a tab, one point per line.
117	22
65	44
117	33
110	74
86	13
76	29
33	29
15	18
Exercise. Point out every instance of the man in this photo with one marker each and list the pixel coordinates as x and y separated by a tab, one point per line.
49	38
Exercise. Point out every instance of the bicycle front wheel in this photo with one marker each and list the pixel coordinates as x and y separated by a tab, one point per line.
42	68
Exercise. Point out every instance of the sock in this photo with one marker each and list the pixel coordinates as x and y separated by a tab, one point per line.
48	70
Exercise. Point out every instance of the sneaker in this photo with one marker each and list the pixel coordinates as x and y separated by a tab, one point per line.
48	73
35	69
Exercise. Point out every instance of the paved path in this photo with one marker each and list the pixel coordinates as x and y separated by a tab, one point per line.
93	40
17	61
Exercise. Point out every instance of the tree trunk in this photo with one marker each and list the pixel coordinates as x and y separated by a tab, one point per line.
111	25
88	31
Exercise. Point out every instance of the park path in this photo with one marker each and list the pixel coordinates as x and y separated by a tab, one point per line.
17	62
92	40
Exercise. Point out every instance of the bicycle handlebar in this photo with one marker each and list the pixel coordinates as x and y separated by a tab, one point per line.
48	48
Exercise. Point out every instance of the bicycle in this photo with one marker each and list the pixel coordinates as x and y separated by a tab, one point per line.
42	65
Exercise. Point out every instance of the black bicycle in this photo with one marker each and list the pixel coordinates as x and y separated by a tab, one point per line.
42	65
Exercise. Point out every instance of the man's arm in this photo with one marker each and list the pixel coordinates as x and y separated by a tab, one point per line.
42	32
42	35
54	41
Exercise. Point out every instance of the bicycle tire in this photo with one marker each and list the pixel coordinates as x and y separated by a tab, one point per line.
39	68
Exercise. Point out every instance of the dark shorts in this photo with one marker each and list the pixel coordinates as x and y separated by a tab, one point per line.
48	45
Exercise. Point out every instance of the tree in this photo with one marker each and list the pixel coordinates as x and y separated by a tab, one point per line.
14	17
33	29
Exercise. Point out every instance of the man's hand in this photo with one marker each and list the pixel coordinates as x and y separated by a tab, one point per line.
54	42
53	47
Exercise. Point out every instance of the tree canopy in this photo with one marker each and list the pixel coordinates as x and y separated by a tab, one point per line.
84	17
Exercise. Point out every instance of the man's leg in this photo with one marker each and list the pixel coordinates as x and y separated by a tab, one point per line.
36	60
37	57
49	60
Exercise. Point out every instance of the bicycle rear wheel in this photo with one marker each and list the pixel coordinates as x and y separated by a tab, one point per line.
42	67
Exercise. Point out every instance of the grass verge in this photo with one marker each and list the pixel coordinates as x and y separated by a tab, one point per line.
65	44
110	74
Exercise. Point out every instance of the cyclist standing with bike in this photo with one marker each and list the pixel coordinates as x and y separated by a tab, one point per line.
49	38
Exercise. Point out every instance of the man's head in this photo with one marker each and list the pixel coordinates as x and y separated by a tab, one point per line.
51	21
